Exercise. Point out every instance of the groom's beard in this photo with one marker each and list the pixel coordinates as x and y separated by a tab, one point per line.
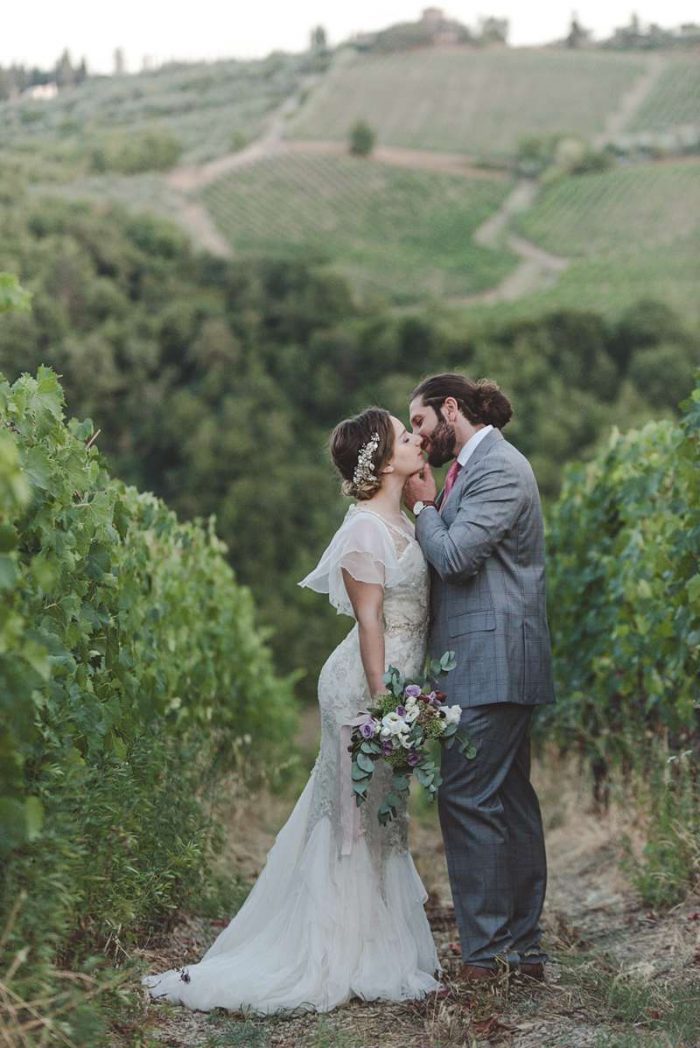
441	444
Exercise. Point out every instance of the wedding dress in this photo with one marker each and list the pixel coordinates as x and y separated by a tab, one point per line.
337	910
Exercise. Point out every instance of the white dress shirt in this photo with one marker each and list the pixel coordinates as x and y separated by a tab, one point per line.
471	445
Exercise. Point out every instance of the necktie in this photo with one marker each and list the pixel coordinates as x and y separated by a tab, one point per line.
450	480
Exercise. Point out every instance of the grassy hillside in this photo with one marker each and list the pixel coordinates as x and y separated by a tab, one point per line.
405	234
675	99
208	107
650	205
630	232
470	101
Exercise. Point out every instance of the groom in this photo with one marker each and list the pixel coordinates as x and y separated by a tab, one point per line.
483	538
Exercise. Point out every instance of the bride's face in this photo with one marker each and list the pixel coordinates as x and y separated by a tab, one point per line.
408	457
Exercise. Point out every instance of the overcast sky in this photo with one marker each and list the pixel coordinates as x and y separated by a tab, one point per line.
36	32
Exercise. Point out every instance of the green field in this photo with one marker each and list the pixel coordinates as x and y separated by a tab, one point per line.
469	101
204	105
403	234
631	233
640	207
674	101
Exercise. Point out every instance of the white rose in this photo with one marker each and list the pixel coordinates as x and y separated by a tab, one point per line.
392	724
412	714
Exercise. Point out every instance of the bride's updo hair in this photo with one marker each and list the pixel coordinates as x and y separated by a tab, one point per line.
346	443
480	401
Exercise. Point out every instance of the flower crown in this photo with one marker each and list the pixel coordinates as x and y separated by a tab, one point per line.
364	470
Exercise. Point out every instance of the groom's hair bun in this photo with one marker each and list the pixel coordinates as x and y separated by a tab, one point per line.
480	401
348	439
494	406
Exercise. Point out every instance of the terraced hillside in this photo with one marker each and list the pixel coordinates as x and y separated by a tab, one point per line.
478	102
629	233
675	98
405	234
413	222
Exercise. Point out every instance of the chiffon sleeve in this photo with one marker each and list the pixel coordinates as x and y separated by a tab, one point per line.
363	547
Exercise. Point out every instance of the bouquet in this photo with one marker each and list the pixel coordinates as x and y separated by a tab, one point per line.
398	728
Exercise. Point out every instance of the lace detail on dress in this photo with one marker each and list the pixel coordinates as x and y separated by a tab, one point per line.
343	693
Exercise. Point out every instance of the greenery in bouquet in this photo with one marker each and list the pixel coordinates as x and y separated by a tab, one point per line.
398	729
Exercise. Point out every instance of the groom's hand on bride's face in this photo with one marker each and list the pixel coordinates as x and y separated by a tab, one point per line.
421	487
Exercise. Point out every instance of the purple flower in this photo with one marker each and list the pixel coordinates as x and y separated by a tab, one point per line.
387	747
401	710
411	691
413	758
433	699
368	728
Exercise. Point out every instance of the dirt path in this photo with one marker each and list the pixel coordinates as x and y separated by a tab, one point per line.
187	181
196	220
605	948
537	270
395	156
631	102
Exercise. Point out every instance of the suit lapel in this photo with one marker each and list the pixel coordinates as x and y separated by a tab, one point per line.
483	448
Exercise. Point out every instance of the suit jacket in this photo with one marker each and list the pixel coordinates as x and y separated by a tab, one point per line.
488	605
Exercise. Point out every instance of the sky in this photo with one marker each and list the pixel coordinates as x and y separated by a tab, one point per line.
34	33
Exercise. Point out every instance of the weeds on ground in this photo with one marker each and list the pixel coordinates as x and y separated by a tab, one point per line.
670	861
668	1013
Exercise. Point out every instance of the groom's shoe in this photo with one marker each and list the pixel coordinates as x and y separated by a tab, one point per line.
534	970
477	973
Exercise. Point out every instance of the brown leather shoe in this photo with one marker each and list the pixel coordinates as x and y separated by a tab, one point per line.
535	970
476	973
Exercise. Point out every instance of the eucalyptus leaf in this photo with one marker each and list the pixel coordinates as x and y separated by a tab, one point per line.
365	762
448	661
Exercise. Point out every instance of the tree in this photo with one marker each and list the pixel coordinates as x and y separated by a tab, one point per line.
362	138
493	30
578	36
6	85
319	40
65	75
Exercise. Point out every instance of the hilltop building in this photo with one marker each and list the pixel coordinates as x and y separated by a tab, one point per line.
432	29
41	92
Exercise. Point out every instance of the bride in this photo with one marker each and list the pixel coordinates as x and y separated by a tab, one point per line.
337	911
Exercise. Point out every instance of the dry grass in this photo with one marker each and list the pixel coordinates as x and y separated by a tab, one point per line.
620	975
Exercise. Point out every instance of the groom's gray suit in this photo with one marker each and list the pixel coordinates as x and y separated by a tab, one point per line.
485	547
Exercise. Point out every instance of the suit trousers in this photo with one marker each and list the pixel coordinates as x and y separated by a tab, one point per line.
494	841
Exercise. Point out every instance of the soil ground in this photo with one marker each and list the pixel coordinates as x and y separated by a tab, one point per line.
620	975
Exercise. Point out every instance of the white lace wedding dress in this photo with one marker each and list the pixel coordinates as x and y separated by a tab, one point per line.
337	911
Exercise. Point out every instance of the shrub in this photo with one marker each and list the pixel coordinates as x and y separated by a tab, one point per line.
131	154
130	672
624	542
362	138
